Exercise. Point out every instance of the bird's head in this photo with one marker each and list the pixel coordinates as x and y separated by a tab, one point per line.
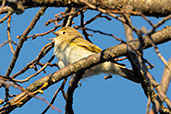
67	33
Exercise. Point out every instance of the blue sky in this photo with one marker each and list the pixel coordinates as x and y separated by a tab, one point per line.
96	96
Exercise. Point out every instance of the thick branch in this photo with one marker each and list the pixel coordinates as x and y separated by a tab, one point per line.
116	51
166	78
155	8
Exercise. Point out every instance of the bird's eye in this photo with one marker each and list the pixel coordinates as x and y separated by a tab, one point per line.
64	32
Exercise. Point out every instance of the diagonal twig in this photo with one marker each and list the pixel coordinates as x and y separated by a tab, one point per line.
6	17
128	30
166	78
9	34
42	53
55	95
33	75
6	42
23	38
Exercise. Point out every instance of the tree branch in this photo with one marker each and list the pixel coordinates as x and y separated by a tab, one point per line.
166	78
156	8
106	55
23	38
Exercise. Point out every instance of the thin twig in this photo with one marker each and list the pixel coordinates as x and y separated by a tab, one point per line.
158	53
128	30
63	15
42	53
164	83
7	95
27	93
6	17
67	21
96	17
2	5
145	18
23	38
82	25
42	34
162	21
6	42
33	75
157	87
50	64
148	106
155	26
107	34
120	59
102	10
6	9
110	13
55	95
9	34
39	71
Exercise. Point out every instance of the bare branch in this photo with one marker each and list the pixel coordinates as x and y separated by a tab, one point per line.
150	8
33	75
6	17
128	30
9	34
42	53
110	53
120	10
23	38
67	21
2	5
41	34
55	95
166	78
5	42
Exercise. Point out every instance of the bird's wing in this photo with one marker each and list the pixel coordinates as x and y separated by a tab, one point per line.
91	47
86	45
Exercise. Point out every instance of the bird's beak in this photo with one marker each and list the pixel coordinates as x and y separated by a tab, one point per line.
56	33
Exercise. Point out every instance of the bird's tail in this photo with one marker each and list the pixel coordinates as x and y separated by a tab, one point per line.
112	68
124	72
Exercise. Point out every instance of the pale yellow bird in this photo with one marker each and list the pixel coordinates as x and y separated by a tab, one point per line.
70	47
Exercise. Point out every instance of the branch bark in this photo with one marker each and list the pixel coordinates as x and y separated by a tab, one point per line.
156	8
166	78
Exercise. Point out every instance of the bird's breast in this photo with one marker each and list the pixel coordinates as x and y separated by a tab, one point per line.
70	54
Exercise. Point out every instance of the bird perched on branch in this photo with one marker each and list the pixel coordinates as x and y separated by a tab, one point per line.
70	47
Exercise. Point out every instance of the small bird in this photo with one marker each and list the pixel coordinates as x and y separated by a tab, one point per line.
70	47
